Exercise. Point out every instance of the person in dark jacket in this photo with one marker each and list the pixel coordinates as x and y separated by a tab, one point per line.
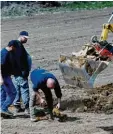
21	68
7	89
44	80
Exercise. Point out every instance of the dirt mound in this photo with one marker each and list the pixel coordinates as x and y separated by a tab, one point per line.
99	100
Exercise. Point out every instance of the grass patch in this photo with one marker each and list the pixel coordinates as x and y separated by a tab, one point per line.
88	5
14	10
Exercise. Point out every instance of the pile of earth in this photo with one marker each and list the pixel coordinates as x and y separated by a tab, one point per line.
98	100
101	99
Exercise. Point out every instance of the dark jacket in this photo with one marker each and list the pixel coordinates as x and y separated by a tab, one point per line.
19	61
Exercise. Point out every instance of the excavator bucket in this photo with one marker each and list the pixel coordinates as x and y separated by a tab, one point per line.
80	71
74	76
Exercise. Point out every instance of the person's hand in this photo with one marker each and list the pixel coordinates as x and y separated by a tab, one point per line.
58	105
9	48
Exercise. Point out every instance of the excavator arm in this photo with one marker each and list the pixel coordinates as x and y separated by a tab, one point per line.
107	28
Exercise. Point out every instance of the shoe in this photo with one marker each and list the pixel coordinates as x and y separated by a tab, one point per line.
39	118
27	112
33	119
17	110
10	113
6	113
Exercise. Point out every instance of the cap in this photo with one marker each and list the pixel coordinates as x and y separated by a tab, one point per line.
12	43
24	34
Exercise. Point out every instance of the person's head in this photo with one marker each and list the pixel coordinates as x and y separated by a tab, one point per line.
50	83
23	36
12	45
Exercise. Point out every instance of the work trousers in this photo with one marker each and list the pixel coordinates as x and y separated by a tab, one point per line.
22	89
49	100
7	93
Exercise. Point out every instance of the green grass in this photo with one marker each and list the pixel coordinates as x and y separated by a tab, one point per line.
15	10
88	5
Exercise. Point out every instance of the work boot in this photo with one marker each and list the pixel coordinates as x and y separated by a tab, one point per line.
10	113
35	119
6	113
27	112
17	110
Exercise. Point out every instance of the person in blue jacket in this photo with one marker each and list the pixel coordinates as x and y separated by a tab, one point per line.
7	89
21	68
44	80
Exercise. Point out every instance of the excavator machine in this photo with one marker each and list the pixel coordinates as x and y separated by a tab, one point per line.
82	68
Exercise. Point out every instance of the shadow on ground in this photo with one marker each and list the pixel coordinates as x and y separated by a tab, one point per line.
107	128
71	119
15	117
71	104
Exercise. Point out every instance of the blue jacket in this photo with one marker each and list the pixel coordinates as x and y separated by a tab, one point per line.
6	68
19	59
39	78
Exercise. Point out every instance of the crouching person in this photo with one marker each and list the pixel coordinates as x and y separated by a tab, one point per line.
7	89
44	80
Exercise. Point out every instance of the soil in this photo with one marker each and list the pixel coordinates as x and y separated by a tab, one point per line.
89	111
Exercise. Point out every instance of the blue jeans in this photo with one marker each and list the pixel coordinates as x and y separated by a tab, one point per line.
7	94
22	88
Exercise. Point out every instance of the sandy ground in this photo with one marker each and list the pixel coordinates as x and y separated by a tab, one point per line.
50	36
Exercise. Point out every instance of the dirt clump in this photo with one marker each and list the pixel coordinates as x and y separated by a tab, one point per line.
99	100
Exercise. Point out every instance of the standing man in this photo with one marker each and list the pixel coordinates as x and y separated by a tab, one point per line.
42	79
21	69
7	89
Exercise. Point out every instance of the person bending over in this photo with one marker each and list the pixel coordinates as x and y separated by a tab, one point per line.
44	80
